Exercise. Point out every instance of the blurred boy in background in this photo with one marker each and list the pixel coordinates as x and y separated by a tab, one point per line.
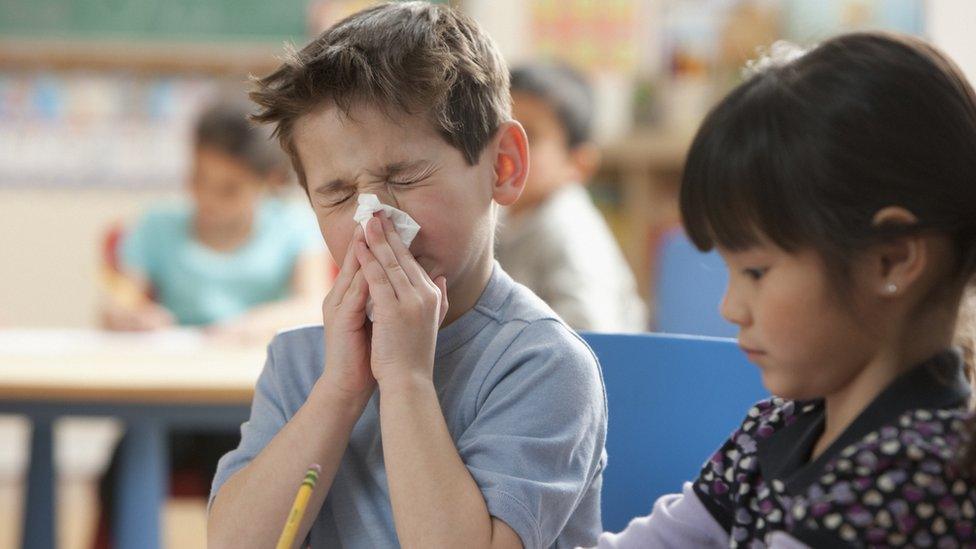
554	240
235	257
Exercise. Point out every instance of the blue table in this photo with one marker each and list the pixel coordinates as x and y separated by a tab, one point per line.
150	387
143	483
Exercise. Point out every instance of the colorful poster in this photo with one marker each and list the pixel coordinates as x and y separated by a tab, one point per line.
590	34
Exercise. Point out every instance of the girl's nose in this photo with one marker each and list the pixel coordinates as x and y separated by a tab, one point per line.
733	309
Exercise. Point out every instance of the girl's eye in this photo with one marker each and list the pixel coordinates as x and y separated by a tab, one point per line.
755	273
400	183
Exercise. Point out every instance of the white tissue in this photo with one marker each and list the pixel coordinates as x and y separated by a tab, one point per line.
404	225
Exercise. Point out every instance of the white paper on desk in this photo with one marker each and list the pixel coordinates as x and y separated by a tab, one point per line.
404	225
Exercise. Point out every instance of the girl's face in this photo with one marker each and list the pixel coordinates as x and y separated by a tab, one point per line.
804	335
225	191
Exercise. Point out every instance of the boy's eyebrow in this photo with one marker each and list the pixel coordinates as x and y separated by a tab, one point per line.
390	170
331	186
397	168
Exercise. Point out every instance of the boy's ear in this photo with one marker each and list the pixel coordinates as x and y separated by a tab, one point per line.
586	160
899	263
511	163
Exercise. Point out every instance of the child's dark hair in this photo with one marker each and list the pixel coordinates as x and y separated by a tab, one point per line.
403	57
224	126
806	152
565	91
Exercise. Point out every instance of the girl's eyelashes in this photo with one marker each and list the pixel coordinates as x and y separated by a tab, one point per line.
755	273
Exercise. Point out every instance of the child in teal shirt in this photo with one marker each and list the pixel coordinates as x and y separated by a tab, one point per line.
234	257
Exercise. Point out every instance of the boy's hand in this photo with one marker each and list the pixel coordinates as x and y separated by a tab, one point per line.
347	333
408	307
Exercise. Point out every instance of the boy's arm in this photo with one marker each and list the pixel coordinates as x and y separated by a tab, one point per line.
526	461
250	509
436	501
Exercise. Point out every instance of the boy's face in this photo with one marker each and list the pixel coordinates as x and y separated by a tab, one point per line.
408	166
552	162
225	191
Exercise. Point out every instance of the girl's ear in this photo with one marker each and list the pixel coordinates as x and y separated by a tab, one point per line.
898	264
511	163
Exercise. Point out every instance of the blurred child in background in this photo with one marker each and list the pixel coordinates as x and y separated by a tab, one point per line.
554	240
235	257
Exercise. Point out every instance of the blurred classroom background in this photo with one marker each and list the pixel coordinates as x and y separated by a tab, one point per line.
97	100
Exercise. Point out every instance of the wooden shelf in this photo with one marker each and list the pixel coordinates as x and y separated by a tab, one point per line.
220	58
647	166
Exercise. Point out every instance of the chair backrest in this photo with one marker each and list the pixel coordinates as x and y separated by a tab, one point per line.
673	400
689	288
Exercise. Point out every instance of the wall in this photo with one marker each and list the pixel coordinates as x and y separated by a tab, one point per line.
50	245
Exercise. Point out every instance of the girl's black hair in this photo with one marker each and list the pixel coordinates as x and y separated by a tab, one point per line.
806	152
224	126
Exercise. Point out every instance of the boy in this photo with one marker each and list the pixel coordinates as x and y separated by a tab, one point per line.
465	414
554	240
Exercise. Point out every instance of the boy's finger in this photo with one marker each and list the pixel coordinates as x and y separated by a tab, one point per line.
350	265
406	259
354	299
442	286
381	249
379	285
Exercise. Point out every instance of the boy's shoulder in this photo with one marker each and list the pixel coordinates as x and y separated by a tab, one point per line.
296	358
525	313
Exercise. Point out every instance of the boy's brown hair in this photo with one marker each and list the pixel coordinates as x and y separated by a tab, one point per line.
405	57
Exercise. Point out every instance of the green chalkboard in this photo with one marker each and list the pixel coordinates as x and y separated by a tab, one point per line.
166	20
159	20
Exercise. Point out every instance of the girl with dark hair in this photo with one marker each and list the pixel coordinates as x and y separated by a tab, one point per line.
839	185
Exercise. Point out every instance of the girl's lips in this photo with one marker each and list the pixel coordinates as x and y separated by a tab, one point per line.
751	352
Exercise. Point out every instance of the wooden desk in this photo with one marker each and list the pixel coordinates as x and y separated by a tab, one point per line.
152	382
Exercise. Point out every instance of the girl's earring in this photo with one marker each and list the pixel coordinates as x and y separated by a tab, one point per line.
891	288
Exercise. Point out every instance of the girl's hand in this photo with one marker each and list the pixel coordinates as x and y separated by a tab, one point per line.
347	334
144	318
408	307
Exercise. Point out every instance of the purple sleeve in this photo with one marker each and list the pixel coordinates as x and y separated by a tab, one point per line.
678	520
782	540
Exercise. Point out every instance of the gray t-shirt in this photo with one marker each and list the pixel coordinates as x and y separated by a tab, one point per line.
564	251
523	399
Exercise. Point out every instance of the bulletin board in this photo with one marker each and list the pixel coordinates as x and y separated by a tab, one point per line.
594	35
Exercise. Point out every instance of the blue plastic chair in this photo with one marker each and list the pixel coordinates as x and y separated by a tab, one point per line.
673	400
689	288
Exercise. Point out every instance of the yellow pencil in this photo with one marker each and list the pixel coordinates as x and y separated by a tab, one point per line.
298	508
